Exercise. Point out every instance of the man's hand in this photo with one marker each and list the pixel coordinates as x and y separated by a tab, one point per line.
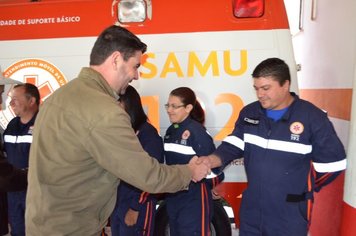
131	217
199	168
212	160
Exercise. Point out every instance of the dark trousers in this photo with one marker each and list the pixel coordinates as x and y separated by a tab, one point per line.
4	229
16	205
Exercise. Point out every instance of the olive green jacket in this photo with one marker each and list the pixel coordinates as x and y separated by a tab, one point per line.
82	145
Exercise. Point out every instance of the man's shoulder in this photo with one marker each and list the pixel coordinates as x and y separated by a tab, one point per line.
147	127
306	106
148	131
12	124
79	94
252	107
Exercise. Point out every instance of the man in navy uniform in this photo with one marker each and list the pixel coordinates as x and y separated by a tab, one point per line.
11	178
25	101
290	150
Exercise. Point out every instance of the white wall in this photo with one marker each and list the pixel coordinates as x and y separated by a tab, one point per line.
325	47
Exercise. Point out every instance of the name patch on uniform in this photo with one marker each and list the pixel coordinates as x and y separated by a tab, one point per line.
30	130
251	121
296	128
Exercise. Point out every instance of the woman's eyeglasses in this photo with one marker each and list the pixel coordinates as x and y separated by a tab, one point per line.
173	106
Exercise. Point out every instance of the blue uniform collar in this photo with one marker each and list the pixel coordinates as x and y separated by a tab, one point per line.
286	115
183	123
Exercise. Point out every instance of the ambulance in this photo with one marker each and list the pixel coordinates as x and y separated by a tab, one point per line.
211	46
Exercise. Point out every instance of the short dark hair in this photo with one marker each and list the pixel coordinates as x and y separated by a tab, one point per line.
115	38
30	91
133	106
187	96
275	68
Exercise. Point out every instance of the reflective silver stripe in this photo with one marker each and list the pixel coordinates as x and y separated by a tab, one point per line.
278	145
237	142
24	139
330	167
211	175
174	147
9	139
18	139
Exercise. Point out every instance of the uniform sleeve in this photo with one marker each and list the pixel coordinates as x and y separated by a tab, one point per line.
232	147
152	143
138	200
213	182
323	179
203	143
328	153
114	132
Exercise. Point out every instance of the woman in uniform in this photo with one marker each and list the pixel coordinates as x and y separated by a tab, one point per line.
190	211
134	212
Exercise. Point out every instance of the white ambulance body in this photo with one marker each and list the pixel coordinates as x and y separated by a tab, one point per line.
211	46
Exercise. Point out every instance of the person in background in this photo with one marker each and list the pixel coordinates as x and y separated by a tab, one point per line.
189	211
11	178
84	144
290	150
134	213
25	101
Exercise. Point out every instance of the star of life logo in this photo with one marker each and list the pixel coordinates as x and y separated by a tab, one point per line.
185	137
296	128
41	73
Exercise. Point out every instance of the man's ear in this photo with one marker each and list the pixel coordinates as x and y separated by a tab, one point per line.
116	58
32	101
286	85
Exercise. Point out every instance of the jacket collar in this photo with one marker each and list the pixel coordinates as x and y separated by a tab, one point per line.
183	123
287	115
89	73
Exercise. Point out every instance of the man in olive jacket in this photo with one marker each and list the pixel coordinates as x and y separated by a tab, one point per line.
83	144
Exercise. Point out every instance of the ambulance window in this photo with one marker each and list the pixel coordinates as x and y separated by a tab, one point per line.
248	8
131	11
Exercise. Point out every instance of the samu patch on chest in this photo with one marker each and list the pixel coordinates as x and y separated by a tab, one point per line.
185	136
296	129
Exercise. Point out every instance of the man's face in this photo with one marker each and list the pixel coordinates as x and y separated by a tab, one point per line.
128	71
19	103
270	93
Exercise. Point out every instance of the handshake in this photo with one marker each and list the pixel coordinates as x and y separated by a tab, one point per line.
200	167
